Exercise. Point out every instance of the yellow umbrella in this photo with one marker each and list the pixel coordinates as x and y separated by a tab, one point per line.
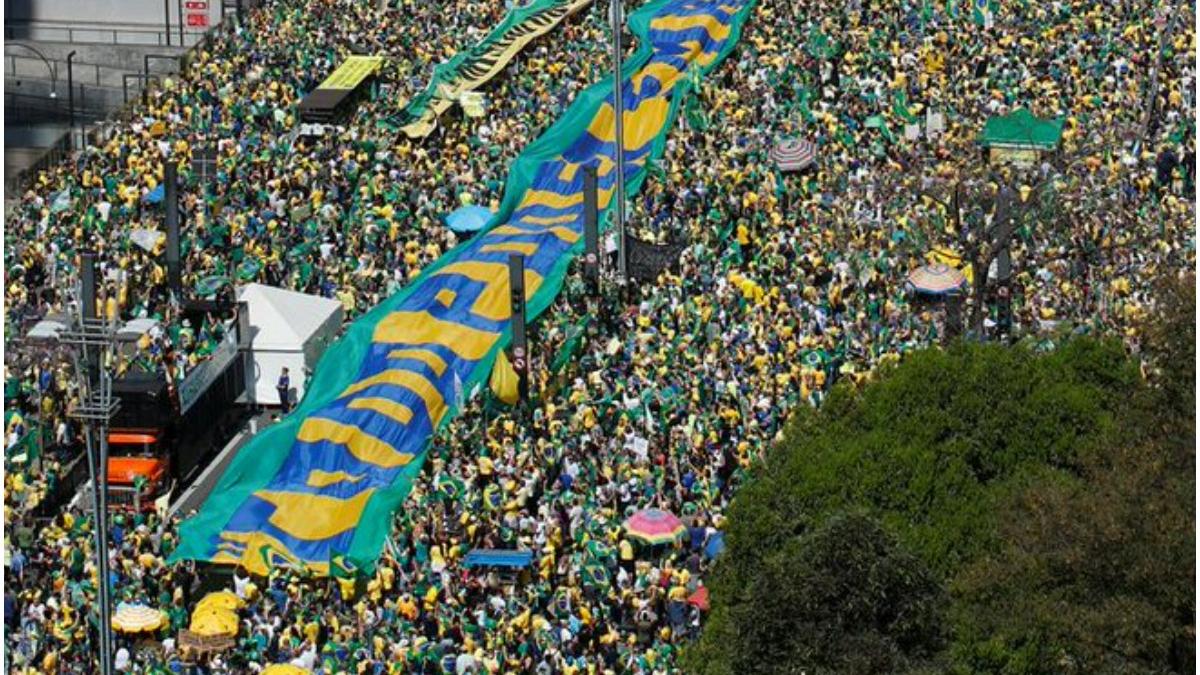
137	618
221	600
285	669
211	621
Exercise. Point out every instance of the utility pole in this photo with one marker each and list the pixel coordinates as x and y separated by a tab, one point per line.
167	20
619	110
94	340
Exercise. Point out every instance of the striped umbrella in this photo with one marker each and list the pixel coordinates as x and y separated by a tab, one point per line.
794	154
131	618
936	279
654	526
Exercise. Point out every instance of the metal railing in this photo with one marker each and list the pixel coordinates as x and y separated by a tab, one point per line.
23	108
98	33
59	150
92	74
124	497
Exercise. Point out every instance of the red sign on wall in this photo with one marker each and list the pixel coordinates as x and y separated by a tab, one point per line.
197	13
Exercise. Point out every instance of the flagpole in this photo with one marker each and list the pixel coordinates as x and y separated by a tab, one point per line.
619	110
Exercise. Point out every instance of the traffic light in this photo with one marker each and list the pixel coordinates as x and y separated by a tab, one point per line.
520	349
591	229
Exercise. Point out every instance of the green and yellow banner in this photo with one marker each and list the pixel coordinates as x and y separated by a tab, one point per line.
325	481
468	70
352	73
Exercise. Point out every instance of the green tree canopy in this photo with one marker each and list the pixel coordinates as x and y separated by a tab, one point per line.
1049	495
843	597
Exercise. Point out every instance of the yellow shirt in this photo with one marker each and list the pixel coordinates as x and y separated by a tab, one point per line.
626	550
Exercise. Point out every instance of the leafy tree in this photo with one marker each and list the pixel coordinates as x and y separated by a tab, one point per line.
931	447
844	597
1050	494
1098	574
1171	347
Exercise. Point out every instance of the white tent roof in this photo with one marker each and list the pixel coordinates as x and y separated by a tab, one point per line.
136	329
282	319
46	329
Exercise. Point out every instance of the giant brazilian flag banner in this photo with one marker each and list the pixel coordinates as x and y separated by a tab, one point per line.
324	482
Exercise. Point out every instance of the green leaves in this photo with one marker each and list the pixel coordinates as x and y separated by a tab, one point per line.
844	596
1049	494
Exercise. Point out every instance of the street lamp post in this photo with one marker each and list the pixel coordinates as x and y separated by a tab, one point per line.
50	67
619	110
167	19
71	98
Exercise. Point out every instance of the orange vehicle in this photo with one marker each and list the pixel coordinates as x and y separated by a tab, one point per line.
139	469
153	448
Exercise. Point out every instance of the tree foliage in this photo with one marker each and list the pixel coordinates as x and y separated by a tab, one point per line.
1109	557
844	597
1038	508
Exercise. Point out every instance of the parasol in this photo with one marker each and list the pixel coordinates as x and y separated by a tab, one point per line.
936	279
220	600
213	621
699	599
654	526
470	218
136	618
794	154
949	256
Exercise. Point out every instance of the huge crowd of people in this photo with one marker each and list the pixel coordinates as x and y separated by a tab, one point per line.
658	395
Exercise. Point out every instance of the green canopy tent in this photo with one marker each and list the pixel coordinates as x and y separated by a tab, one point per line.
1020	137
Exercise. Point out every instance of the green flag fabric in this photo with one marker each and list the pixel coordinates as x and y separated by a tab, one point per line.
329	477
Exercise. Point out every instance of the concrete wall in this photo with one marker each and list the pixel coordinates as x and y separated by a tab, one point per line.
143	22
93	65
